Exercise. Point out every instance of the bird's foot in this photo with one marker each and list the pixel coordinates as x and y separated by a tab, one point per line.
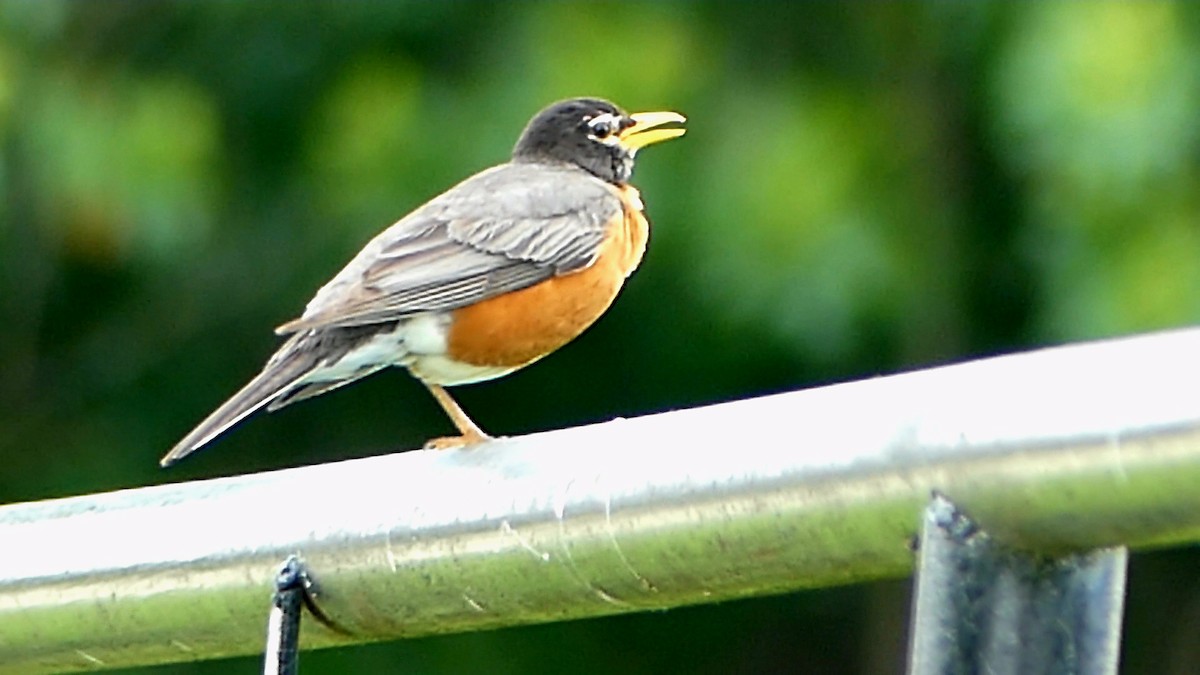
448	442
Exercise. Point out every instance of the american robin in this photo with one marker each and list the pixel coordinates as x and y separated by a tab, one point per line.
484	279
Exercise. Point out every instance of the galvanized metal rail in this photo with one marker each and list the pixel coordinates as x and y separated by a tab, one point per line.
1052	451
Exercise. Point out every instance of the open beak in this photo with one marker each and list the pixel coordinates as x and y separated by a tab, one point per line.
645	130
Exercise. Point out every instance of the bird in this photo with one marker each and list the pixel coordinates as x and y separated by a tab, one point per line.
482	280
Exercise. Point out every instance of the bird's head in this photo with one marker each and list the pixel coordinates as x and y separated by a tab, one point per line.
594	134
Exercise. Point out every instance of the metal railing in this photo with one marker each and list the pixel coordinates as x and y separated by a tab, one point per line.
1058	450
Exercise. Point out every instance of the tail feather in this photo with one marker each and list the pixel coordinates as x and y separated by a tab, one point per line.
300	369
294	394
280	375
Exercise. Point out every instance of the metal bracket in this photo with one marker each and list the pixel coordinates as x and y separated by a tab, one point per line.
292	586
294	591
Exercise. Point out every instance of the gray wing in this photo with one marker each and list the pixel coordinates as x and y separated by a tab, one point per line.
500	230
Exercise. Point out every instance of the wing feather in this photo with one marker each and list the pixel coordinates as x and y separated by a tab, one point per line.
501	230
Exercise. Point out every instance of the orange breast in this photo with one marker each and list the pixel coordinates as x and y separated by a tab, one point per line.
520	327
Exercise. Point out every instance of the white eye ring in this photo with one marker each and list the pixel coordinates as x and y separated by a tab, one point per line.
603	128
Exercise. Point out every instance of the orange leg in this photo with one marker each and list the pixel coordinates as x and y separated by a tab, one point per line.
471	434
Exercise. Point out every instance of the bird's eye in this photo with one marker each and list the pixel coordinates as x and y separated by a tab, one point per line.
600	128
604	128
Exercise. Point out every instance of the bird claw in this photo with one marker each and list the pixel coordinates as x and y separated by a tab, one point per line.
450	442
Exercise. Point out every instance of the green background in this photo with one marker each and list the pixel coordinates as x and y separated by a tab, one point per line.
863	189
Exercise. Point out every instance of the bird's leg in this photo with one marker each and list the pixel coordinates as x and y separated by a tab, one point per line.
471	433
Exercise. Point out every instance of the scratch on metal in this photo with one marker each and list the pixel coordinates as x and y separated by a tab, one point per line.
560	510
507	528
89	657
474	604
612	537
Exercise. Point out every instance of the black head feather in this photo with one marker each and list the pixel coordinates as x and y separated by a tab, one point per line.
562	133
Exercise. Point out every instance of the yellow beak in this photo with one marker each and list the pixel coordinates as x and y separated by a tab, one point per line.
645	132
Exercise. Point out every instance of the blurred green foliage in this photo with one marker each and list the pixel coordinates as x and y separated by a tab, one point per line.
864	188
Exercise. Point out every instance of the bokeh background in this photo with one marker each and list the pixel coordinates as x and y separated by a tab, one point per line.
863	189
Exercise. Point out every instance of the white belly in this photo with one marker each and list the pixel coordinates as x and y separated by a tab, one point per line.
418	344
437	369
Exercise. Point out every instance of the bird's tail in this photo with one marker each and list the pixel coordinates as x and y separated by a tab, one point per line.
281	375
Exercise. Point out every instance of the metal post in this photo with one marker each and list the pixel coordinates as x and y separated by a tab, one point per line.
981	607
